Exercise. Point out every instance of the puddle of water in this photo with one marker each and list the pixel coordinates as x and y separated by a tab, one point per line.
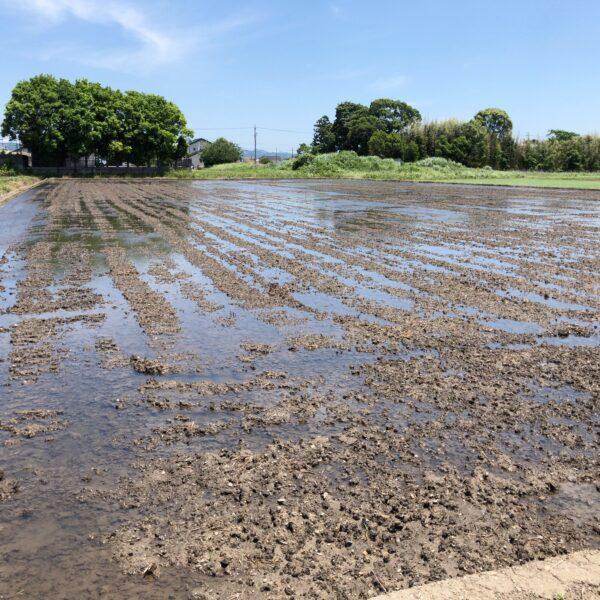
512	326
541	299
324	303
580	502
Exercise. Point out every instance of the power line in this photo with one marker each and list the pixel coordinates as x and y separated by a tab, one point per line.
255	130
286	130
247	128
220	128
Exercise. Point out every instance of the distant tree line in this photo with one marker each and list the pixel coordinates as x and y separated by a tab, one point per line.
394	129
58	120
561	151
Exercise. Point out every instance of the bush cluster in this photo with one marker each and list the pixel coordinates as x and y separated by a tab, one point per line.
221	151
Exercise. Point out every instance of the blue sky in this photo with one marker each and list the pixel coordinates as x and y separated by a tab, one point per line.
231	64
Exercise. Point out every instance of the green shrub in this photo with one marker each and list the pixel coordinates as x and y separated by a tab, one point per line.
6	170
221	151
339	164
302	160
438	163
387	145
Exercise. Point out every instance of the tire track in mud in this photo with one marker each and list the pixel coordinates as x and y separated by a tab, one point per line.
316	279
305	277
153	312
435	294
468	275
224	279
481	276
448	237
500	307
35	340
321	283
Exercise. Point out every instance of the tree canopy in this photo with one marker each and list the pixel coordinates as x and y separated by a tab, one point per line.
324	136
344	113
221	151
361	127
395	115
387	145
496	121
561	135
394	129
355	124
59	120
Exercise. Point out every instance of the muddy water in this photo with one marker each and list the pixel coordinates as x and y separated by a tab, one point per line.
426	356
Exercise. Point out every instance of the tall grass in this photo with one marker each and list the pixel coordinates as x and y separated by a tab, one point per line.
11	183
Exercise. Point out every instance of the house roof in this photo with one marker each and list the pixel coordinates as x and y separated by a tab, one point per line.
200	139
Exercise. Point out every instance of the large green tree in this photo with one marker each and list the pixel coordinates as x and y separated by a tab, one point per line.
221	151
152	127
361	128
59	120
499	127
324	136
79	122
496	121
33	115
387	145
394	115
345	112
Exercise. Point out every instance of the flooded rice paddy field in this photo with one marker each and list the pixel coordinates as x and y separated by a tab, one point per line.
293	389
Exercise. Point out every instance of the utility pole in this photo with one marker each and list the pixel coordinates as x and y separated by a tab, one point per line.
276	155
255	144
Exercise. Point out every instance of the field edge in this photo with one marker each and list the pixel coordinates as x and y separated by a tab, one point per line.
19	189
552	578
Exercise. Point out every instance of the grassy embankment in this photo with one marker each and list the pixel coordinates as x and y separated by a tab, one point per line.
10	184
349	166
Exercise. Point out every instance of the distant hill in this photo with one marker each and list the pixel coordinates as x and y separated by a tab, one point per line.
259	153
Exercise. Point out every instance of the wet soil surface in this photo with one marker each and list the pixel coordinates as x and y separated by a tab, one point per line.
293	389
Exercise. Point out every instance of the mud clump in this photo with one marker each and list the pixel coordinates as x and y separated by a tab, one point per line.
35	348
31	423
315	342
270	519
112	357
149	366
257	349
8	487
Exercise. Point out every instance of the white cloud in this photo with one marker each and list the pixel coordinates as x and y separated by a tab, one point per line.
389	84
152	46
149	40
